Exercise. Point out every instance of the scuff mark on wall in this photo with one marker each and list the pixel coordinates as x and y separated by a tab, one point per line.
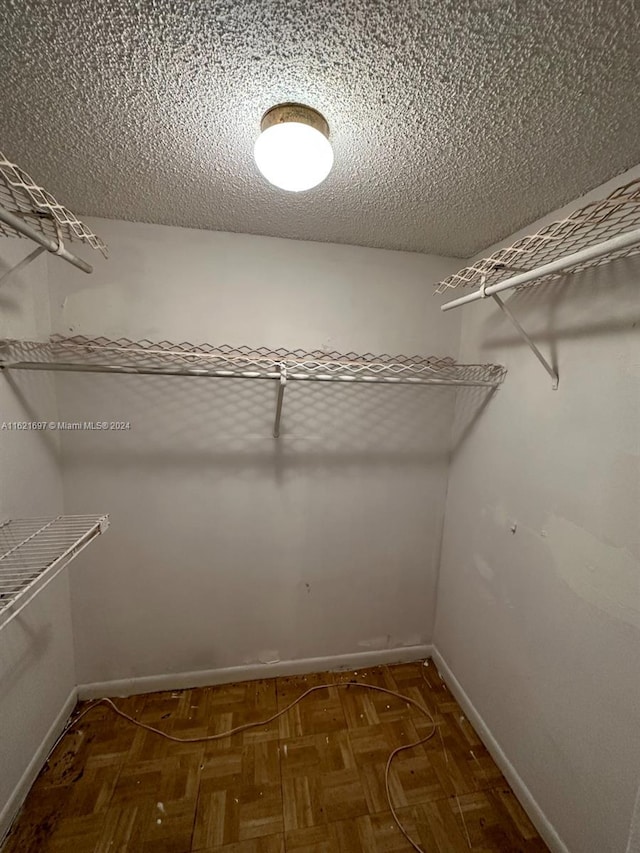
500	515
381	642
484	569
413	640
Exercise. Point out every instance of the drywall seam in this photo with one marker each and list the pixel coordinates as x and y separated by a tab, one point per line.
12	806
520	789
251	672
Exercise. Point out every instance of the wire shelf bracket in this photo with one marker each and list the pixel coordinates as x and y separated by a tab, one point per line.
28	210
124	356
33	551
598	233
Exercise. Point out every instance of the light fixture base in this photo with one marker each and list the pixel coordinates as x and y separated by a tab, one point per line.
300	113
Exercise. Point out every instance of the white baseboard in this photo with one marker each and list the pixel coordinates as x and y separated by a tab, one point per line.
250	672
524	795
12	806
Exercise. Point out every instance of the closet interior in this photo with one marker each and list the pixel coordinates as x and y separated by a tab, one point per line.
370	581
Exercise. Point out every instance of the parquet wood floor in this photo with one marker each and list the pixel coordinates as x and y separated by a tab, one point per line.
311	781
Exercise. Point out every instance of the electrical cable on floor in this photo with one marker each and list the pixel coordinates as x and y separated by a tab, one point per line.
245	726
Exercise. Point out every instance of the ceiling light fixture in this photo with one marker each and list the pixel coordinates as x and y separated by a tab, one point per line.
293	151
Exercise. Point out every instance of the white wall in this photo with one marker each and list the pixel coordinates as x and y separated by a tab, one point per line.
539	591
227	547
37	675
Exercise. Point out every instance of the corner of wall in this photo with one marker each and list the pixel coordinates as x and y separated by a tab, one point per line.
37	661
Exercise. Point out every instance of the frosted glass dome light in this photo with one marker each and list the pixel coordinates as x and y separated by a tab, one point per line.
293	151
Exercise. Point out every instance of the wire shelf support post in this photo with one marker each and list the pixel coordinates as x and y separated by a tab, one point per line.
282	384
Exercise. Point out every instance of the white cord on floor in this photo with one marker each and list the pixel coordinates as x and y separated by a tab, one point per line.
245	726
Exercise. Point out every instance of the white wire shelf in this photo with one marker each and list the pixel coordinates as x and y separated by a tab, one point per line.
28	210
595	234
33	551
600	232
123	356
186	359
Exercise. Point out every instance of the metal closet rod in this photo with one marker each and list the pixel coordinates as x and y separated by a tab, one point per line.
47	243
620	241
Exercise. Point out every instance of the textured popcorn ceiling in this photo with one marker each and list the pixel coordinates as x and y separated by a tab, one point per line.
454	122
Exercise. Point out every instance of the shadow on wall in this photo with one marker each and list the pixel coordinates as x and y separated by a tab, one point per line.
470	405
193	420
22	646
36	395
11	293
232	542
9	305
566	308
229	422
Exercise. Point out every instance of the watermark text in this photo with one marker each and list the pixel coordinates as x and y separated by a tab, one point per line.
60	426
